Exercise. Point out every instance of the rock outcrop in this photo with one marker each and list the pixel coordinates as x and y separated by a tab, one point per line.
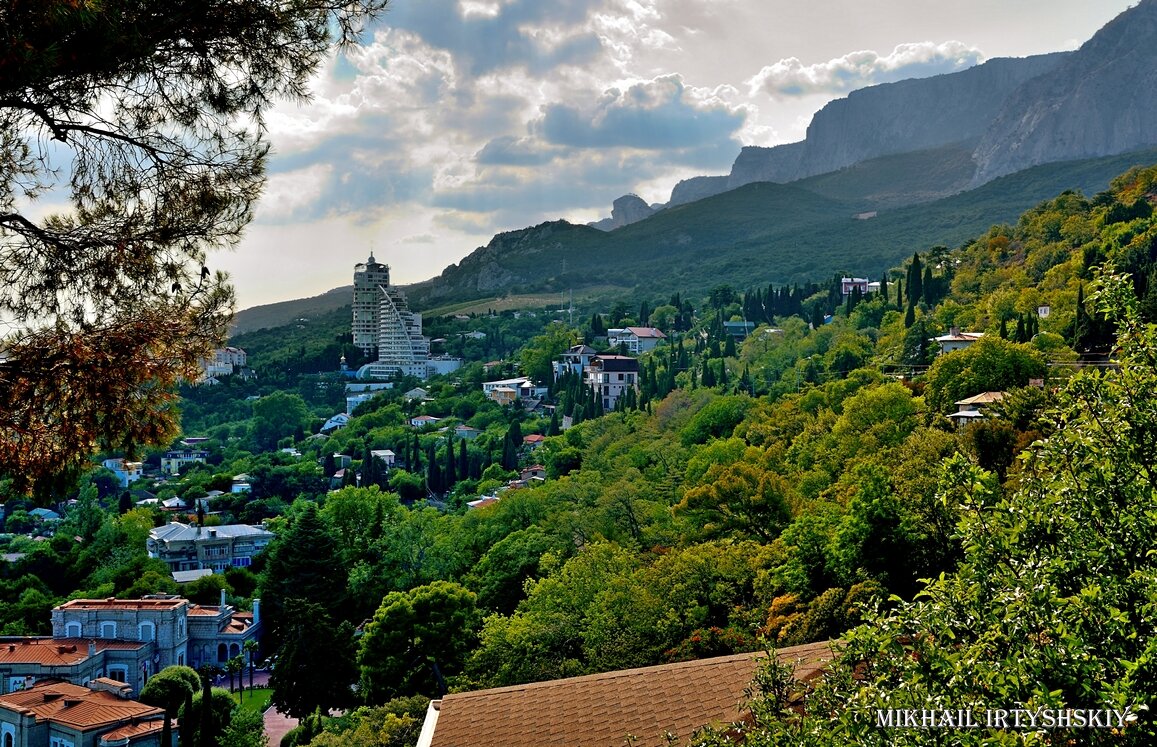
891	118
625	210
1101	100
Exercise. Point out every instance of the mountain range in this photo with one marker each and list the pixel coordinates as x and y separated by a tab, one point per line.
888	170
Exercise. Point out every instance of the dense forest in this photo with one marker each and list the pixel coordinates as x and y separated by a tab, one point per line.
798	484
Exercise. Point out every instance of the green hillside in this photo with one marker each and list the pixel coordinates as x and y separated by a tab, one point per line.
757	234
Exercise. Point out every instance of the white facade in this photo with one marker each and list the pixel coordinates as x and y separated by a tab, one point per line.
369	277
126	472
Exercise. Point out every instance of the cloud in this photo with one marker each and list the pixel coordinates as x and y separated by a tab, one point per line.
509	150
789	77
656	114
489	36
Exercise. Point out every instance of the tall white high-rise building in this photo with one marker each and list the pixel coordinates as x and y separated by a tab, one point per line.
383	322
370	280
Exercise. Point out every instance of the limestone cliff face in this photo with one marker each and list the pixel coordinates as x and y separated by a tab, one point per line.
697	188
1101	100
625	210
893	118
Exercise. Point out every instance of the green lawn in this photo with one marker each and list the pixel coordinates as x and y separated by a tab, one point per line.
255	700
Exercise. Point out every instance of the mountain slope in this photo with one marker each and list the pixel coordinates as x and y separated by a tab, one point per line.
754	235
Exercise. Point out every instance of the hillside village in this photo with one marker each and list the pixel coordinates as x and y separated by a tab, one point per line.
684	482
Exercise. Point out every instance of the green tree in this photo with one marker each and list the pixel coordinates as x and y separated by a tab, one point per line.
156	119
315	661
742	497
988	365
416	640
302	565
276	416
171	688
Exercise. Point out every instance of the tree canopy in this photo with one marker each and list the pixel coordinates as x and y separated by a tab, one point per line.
145	123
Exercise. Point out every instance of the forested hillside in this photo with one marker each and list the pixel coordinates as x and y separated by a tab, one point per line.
777	489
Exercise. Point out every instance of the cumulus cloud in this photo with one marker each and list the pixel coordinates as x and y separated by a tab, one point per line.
509	150
790	77
489	36
656	114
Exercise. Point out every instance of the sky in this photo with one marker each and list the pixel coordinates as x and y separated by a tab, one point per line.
455	120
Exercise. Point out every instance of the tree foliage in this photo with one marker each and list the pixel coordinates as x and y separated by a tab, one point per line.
147	123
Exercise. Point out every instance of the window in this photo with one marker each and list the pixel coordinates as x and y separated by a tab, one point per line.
120	674
147	631
108	630
72	630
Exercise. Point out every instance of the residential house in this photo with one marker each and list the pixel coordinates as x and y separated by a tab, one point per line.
385	456
575	360
173	461
241	483
340	420
503	395
61	714
535	472
533	441
421	421
956	340
972	408
466	432
417	393
353	400
738	330
634	706
611	376
636	340
847	285
489	386
186	547
126	471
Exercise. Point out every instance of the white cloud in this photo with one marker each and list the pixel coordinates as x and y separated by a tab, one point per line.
790	77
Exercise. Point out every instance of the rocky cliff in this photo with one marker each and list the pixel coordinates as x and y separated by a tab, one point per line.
626	210
1101	100
892	118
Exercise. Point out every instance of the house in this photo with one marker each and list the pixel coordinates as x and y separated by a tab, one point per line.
187	547
125	471
466	432
636	340
847	285
633	706
61	714
353	400
417	393
385	456
421	421
972	408
485	500
611	376
475	335
535	472
533	441
241	484
738	330
956	340
339	420
490	386
574	360
173	461
44	514
503	395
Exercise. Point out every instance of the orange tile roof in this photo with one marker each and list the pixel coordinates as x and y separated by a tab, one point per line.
133	731
197	609
75	706
603	710
57	651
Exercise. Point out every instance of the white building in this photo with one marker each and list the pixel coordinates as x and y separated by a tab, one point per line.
369	277
636	340
956	340
126	472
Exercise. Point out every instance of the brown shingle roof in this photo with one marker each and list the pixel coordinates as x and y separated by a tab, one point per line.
133	731
602	710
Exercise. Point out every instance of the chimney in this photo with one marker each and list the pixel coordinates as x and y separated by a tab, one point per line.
92	648
256	611
222	599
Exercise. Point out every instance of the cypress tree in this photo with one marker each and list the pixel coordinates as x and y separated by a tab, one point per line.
451	478
884	288
910	315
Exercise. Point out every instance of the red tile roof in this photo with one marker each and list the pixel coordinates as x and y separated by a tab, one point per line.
123	604
75	706
604	710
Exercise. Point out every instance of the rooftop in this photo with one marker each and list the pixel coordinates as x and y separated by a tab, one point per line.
601	710
145	603
75	706
175	531
55	652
